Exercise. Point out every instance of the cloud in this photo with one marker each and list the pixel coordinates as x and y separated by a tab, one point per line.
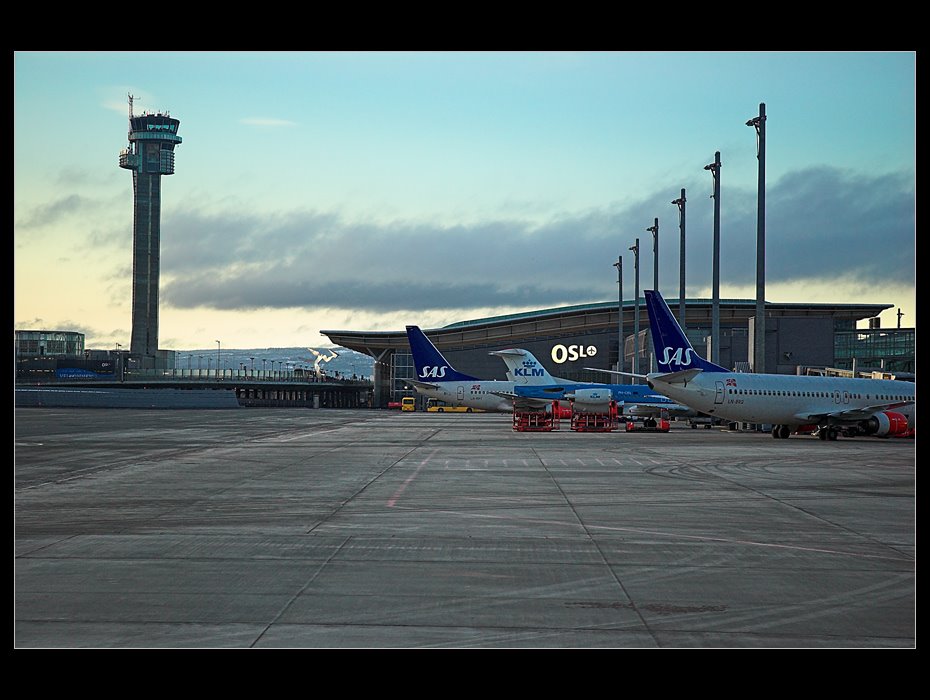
821	223
53	212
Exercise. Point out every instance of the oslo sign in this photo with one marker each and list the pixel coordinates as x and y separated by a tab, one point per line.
561	353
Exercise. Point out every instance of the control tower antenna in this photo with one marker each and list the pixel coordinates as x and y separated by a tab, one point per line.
130	105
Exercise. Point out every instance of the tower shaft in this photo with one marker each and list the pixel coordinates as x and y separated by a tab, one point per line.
152	138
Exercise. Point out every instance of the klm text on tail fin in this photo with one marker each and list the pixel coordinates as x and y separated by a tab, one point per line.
523	367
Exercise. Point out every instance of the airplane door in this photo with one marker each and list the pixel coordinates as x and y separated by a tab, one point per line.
460	394
718	397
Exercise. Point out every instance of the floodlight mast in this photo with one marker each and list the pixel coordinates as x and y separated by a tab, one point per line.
619	266
759	336
635	370
714	169
681	258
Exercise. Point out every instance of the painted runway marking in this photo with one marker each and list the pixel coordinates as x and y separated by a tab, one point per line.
397	494
658	533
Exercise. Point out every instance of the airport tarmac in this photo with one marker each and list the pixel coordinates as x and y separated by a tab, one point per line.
370	529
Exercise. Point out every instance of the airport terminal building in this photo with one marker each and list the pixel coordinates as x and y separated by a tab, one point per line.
798	338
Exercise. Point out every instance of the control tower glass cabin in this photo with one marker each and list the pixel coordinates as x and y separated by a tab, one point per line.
152	138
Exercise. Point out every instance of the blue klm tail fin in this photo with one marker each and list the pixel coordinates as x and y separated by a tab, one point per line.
429	363
672	347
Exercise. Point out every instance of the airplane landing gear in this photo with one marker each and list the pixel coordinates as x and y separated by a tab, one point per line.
781	432
826	433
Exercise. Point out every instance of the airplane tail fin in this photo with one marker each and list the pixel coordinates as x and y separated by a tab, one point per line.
674	352
524	369
429	362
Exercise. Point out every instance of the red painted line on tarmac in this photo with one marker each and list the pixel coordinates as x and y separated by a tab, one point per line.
393	499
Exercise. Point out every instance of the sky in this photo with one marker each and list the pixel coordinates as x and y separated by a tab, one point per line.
371	190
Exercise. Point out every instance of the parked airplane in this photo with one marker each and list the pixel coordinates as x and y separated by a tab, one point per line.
633	400
436	378
791	404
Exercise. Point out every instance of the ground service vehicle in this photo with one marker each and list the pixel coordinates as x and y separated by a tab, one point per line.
439	406
408	403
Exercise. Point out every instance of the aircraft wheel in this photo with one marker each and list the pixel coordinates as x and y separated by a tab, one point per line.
784	431
822	434
831	434
775	432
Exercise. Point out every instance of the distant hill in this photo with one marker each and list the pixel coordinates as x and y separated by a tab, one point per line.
346	362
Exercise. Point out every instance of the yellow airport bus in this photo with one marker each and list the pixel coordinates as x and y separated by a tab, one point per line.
408	403
438	406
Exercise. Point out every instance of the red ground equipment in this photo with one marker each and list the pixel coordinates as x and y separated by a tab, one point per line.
537	421
583	421
649	425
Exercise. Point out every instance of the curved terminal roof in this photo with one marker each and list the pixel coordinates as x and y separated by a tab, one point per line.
598	316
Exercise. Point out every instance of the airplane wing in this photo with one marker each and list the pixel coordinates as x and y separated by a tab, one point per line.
417	384
682	377
657	409
852	414
509	352
523	401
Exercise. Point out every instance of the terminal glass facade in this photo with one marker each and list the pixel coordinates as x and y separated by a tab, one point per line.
876	348
402	369
48	343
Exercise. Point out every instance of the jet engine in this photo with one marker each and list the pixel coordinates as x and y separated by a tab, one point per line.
887	424
591	400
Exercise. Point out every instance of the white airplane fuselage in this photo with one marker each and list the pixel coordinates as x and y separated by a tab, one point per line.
471	394
787	399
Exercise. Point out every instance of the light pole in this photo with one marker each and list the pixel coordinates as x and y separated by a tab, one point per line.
263	366
681	259
619	266
654	229
252	369
714	169
635	370
759	336
217	358
199	365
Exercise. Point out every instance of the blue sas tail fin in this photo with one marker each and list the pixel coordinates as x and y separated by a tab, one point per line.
429	363
672	347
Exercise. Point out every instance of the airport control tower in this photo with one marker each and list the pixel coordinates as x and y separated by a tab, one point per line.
152	138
